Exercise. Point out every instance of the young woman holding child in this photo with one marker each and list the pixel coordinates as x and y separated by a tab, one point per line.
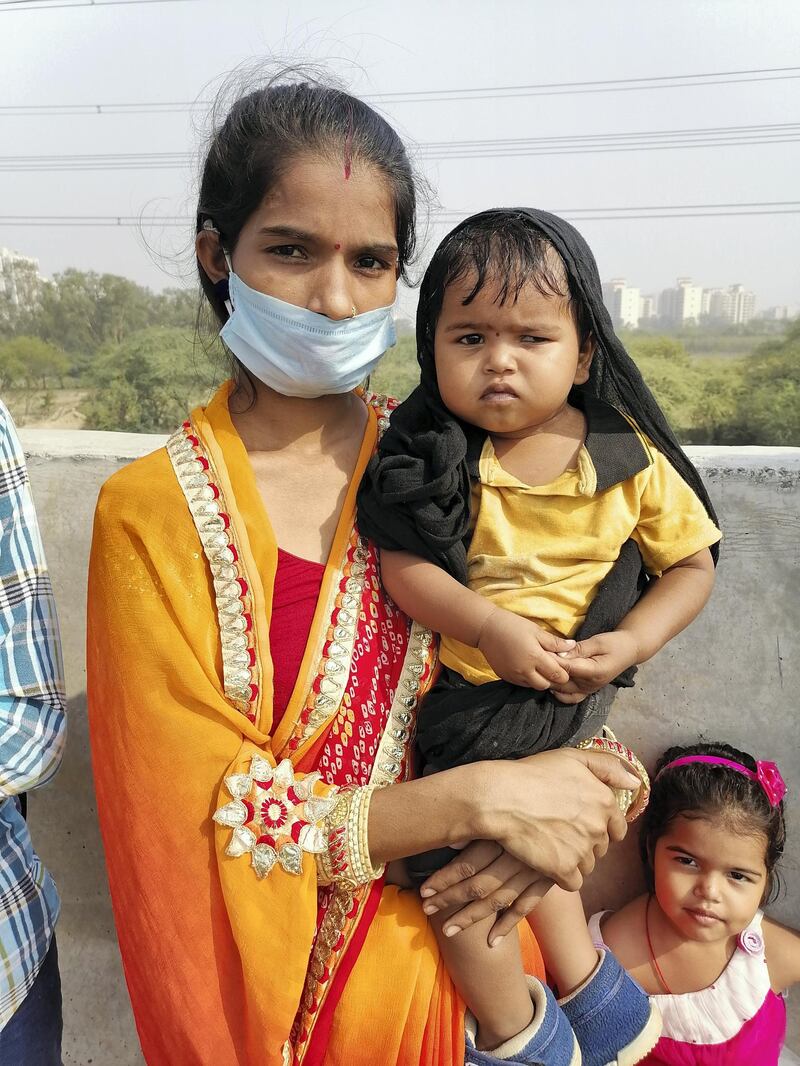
252	691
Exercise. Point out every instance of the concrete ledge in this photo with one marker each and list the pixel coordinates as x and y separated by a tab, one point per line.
88	444
69	444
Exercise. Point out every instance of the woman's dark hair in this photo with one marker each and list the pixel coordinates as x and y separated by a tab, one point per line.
505	249
712	791
267	129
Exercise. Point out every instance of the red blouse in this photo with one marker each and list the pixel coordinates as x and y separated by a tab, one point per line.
294	600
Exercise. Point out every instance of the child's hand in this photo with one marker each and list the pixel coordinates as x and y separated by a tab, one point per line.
523	653
594	662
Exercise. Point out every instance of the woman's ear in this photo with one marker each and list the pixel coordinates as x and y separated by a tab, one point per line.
210	255
585	356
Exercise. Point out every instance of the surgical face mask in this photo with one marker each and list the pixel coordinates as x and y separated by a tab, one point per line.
297	352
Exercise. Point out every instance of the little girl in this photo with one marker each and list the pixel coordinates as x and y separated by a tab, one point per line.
697	941
523	496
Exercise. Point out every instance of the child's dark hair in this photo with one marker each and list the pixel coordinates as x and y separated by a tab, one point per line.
506	249
270	127
706	790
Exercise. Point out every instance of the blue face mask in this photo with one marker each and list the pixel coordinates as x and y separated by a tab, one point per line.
297	352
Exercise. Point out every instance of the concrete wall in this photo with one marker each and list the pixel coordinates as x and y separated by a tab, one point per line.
734	675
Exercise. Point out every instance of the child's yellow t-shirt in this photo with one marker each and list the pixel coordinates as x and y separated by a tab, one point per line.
542	551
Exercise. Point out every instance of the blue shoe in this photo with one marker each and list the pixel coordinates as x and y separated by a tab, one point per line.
547	1041
612	1017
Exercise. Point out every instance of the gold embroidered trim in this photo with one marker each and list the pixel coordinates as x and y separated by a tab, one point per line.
331	939
419	662
234	605
333	671
390	760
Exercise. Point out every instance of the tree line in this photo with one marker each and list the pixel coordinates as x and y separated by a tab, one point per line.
141	359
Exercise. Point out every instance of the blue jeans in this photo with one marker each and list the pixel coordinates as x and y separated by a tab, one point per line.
33	1035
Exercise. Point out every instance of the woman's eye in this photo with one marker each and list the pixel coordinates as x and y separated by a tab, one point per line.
740	878
470	339
529	338
288	251
684	860
370	262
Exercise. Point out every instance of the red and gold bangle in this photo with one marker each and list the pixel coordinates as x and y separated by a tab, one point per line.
347	859
631	802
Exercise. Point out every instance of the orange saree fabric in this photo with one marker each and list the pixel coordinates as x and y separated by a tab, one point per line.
225	966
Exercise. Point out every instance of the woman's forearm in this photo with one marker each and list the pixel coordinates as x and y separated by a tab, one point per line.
670	604
435	599
431	812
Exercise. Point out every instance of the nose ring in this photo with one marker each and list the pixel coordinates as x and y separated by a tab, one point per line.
353	314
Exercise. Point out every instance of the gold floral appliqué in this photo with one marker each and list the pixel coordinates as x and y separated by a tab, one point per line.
274	816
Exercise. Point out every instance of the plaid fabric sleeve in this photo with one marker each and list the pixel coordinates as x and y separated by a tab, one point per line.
32	702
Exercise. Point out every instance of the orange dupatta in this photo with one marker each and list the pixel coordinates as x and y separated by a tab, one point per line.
223	966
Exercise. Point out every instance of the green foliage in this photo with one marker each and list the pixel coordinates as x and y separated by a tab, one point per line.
667	349
11	366
768	403
398	372
32	361
85	312
148	382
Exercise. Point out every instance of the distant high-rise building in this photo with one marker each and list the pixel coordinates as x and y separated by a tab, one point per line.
734	305
681	304
622	302
743	304
776	314
20	280
648	308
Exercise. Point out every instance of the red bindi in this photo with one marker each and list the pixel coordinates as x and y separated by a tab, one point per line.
337	246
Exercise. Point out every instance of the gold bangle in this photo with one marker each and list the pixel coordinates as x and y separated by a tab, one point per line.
346	858
631	802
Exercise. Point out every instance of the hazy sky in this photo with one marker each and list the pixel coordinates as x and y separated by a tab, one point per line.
177	51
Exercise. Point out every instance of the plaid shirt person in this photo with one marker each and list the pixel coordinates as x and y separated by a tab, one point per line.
32	725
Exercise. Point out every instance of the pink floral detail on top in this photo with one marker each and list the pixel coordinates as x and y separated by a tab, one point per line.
751	941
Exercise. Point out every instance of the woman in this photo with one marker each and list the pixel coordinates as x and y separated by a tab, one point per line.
243	659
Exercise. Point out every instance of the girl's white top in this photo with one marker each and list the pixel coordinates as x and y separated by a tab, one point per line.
714	1014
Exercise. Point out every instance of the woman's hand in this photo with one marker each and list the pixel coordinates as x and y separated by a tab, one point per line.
483	881
595	662
521	652
555	812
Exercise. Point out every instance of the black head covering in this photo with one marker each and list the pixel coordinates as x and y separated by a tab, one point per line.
415	495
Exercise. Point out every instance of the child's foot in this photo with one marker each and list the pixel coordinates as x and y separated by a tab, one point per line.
612	1017
547	1041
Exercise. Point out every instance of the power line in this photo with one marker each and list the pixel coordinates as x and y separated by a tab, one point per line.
665	81
450	212
702	131
619	214
16	6
499	148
